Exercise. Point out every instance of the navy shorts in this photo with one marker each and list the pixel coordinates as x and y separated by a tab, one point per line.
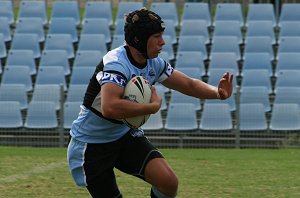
92	164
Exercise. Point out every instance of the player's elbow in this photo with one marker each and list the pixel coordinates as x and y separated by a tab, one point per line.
108	112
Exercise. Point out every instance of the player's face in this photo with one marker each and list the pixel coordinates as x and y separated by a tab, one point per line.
155	44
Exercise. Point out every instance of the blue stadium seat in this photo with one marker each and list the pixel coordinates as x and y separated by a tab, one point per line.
216	117
125	7
193	72
87	59
261	12
181	117
31	26
41	115
261	28
154	123
194	28
229	12
119	27
190	59
5	29
289	12
179	98
226	44
168	47
228	28
285	117
51	75
252	117
81	75
33	9
14	92
92	42
256	94
170	30
196	11
287	78
192	44
60	42
71	111
98	10
257	61
259	44
26	41
117	41
289	44
289	29
223	60
97	26
66	9
3	49
55	58
66	25
10	116
76	92
6	10
47	92
17	75
287	95
166	10
286	61
21	58
256	77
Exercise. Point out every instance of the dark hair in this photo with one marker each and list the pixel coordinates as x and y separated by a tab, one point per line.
139	26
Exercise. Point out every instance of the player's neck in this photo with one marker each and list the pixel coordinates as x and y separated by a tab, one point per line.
137	56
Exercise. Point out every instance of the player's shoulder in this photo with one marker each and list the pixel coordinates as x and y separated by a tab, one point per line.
115	55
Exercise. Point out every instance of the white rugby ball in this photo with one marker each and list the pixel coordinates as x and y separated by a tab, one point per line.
137	90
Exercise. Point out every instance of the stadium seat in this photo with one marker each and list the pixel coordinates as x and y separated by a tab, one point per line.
228	28
287	95
51	75
98	10
181	117
229	101
21	58
119	27
257	61
170	30
31	26
5	29
261	12
71	111
229	12
117	41
33	9
125	7
14	92
192	44
3	49
92	42
179	98
60	42
97	26
87	59
215	76
289	12
66	9
154	123
55	58
160	90
6	10
256	94
10	116
190	59
166	10
261	28
26	41
81	75
216	117
256	77
17	75
76	92
289	29
252	117
196	11
168	47
286	61
50	92
194	28
193	72
226	44
223	60
41	115
287	78
285	117
64	26
289	44
259	44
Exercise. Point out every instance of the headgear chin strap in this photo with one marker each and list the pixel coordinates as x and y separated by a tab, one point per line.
139	26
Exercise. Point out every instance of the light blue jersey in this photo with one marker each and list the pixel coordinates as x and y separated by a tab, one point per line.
118	67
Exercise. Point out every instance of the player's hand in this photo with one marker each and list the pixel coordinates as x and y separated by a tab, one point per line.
155	99
225	86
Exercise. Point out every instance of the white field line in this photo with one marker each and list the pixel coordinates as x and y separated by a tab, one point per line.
35	170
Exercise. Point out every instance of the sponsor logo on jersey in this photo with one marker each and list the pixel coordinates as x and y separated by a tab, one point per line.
104	77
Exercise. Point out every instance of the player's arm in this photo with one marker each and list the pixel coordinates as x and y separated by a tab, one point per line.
115	107
198	88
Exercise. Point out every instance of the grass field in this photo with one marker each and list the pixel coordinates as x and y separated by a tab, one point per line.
204	173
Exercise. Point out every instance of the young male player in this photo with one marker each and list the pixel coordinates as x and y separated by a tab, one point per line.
101	142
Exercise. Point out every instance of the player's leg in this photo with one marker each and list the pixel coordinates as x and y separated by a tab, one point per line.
140	158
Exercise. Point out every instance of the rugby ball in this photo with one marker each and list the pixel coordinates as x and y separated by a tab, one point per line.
137	90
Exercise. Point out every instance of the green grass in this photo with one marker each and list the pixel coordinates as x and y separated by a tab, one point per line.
210	173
